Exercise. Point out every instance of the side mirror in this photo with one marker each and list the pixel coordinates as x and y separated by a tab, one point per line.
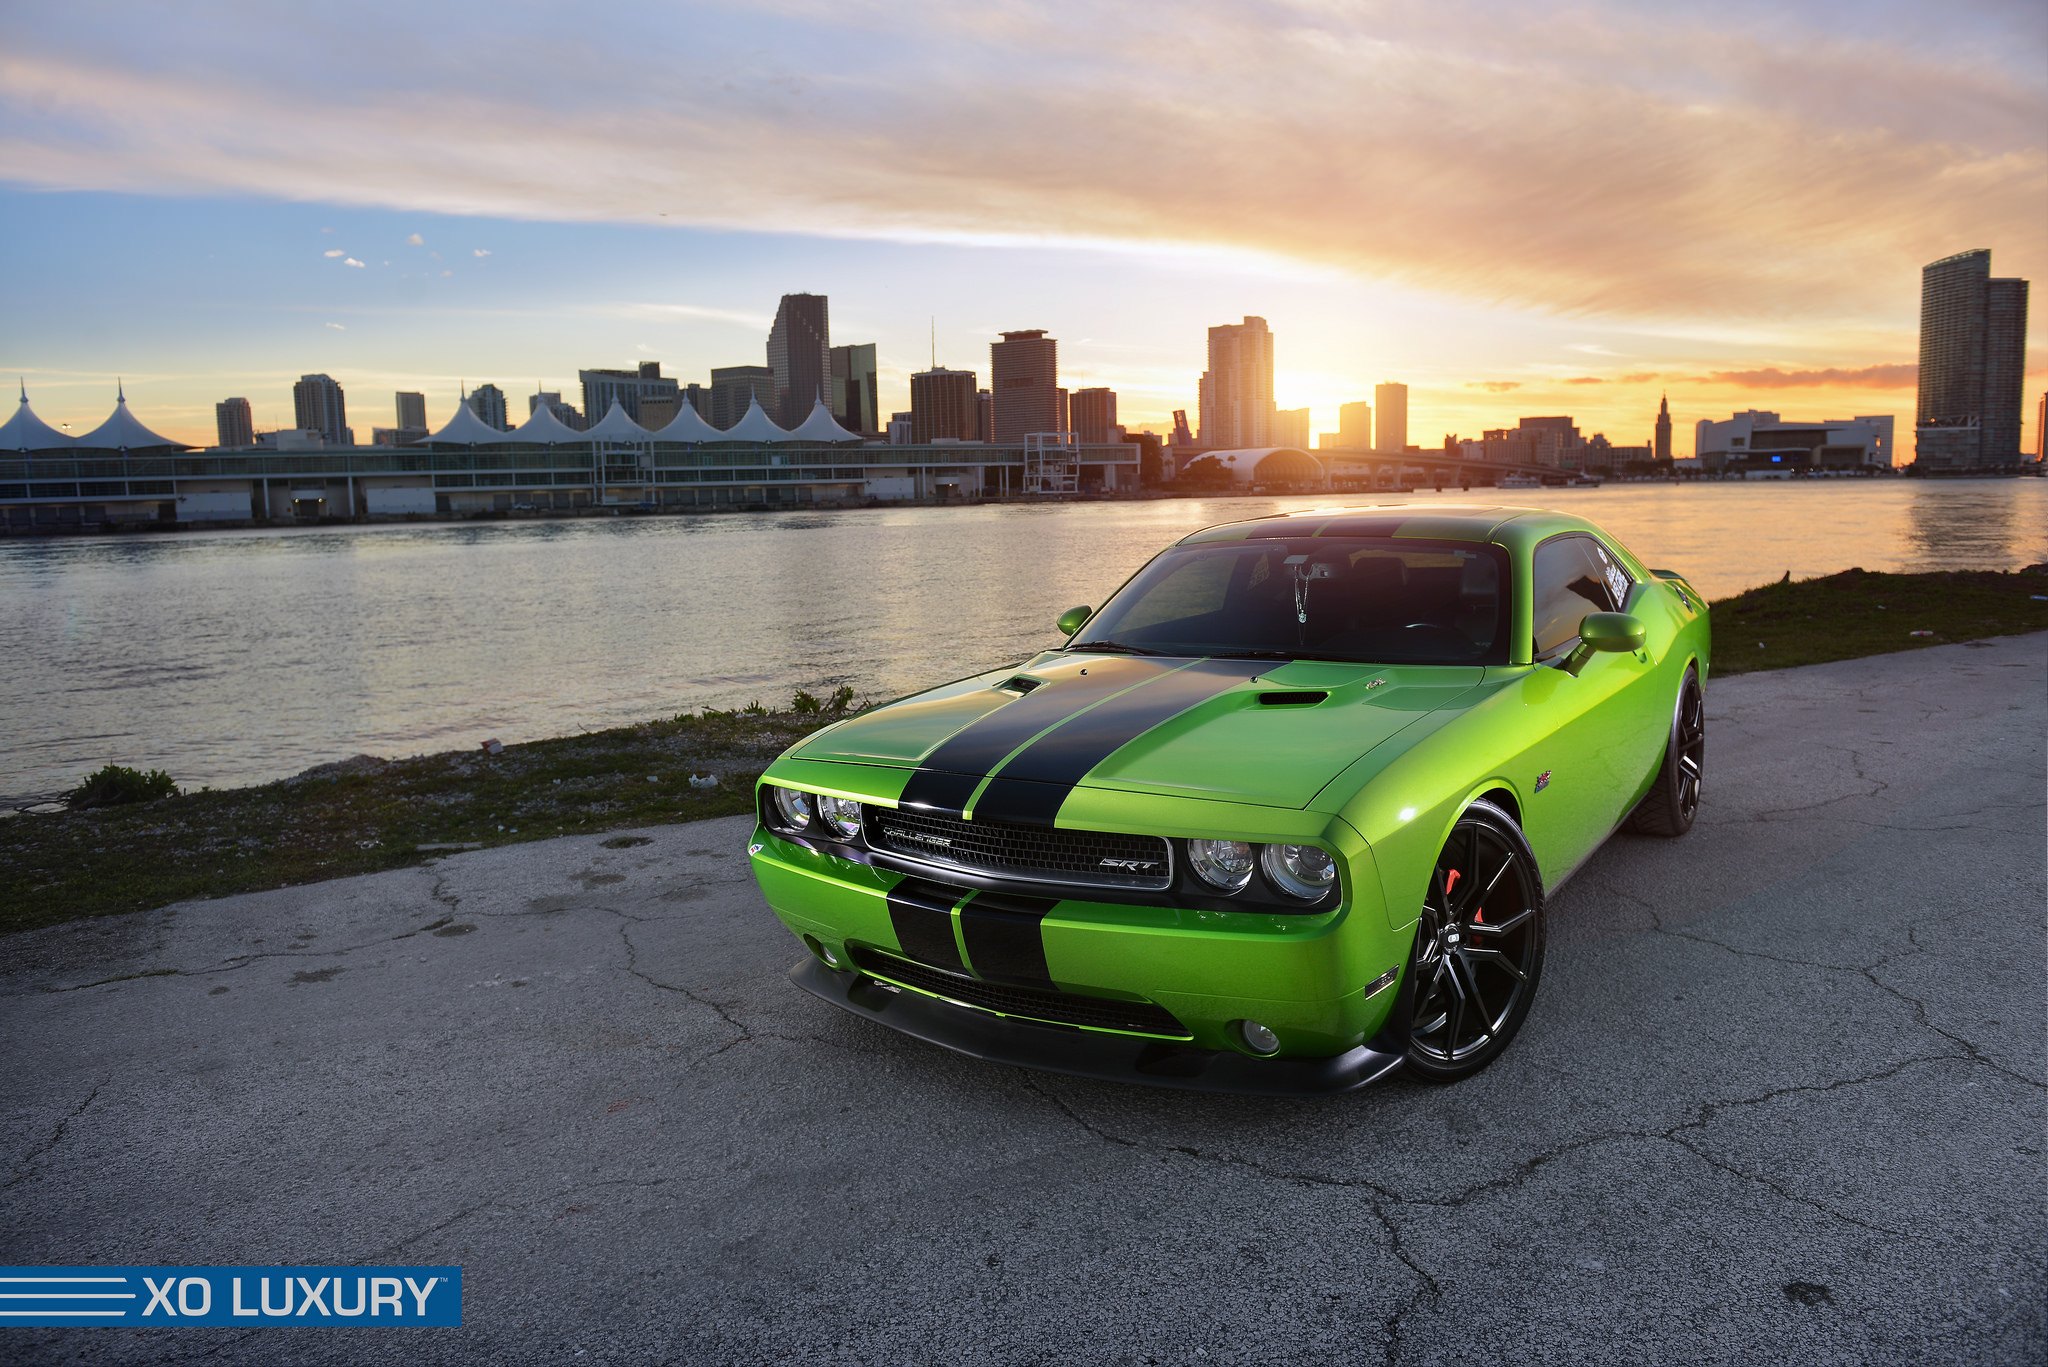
1615	631
1073	619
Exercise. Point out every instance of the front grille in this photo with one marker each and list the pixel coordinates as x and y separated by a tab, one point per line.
1037	1003
1091	858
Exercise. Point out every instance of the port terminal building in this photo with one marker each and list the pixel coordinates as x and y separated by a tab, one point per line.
125	474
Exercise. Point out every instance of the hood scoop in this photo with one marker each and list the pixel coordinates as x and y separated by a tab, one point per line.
1020	684
1295	697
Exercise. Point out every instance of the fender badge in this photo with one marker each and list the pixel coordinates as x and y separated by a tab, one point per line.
1542	780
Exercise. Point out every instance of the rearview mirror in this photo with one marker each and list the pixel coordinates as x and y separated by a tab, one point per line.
1073	619
1614	631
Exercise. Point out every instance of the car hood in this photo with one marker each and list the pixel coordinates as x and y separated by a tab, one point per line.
1260	732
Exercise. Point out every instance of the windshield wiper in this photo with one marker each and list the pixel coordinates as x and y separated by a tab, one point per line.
1112	648
1251	655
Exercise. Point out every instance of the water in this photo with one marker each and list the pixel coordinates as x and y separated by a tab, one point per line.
237	657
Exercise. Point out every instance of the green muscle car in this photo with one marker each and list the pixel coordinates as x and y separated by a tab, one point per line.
1279	818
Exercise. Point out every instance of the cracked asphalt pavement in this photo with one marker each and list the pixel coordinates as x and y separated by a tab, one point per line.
1781	1099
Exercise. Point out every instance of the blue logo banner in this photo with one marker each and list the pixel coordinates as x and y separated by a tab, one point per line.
248	1296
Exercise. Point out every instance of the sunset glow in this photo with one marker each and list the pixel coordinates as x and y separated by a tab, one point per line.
1520	210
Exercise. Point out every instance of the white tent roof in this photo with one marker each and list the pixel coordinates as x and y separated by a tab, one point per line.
27	432
755	426
123	432
542	429
822	426
466	429
618	427
689	425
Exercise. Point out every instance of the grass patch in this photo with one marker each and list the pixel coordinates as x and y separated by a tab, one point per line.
1855	613
364	815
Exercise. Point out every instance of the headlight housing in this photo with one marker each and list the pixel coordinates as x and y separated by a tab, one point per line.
841	815
792	807
1304	871
1223	864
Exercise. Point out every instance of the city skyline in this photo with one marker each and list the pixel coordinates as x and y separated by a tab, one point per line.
1583	246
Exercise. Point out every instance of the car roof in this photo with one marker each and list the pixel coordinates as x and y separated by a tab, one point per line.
1424	521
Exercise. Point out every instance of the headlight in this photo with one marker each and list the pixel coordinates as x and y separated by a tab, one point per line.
792	806
1303	871
1225	864
841	815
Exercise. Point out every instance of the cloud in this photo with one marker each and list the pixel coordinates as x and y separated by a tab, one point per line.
481	252
338	327
415	240
1542	157
334	252
1585	379
351	261
1494	386
1903	375
1636	377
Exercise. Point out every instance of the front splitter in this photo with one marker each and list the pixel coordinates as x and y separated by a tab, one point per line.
1087	1053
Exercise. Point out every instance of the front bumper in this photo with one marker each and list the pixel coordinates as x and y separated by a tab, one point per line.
1085	1053
1323	983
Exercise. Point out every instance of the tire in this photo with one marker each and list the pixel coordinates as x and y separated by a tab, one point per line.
1673	801
1478	950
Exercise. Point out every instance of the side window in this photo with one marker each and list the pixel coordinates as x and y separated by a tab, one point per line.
1572	576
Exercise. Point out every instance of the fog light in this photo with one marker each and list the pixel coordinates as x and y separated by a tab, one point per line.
823	951
1258	1038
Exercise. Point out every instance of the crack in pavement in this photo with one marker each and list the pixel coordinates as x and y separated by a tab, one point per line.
1384	1201
241	961
1868	972
31	1162
499	1203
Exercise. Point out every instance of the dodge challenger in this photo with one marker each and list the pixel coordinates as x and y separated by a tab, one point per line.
1280	817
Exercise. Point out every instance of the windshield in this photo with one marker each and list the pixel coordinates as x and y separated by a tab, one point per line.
1370	601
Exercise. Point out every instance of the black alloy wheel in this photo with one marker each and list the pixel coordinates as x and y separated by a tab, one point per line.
1673	801
1478	948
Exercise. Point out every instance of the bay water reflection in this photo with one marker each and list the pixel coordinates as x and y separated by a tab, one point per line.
236	657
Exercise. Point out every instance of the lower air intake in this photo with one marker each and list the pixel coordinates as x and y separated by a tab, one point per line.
1035	1003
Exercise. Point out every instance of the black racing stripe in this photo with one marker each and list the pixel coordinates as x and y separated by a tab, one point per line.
1032	786
948	776
922	915
1004	937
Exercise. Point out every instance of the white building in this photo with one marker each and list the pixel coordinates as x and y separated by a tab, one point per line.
1756	441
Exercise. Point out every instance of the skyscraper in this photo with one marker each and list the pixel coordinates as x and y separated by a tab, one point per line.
1024	376
942	405
1093	415
855	398
487	401
235	422
800	355
626	388
1354	426
1237	389
1291	428
565	413
1391	400
1663	447
412	409
733	387
985	416
1973	343
318	406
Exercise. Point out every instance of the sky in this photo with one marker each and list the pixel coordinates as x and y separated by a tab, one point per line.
1522	209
